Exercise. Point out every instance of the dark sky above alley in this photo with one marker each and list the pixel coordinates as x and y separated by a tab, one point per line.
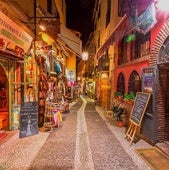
79	15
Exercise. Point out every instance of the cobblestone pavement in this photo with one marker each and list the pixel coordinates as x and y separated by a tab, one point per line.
84	141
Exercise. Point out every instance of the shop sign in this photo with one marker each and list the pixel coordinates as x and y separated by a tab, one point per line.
70	74
105	87
104	75
139	107
42	48
148	80
13	39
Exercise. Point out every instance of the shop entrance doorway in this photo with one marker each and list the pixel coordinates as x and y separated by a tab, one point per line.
149	85
3	99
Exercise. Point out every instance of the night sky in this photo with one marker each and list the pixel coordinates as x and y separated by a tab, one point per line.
79	16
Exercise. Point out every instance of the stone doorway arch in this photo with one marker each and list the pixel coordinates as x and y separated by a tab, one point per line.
160	58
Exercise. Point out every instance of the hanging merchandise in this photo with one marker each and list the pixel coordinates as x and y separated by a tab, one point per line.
47	65
57	117
58	69
43	89
146	20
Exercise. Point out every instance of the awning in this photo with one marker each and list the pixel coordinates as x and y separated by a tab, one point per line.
115	36
71	40
62	47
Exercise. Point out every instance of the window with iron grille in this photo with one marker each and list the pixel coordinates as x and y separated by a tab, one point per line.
121	83
103	63
140	47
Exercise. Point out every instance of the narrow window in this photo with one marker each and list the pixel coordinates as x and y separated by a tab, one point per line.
108	12
49	6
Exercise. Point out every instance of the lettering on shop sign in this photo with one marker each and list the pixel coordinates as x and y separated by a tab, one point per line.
139	107
28	119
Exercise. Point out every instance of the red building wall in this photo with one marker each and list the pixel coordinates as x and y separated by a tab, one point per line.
127	70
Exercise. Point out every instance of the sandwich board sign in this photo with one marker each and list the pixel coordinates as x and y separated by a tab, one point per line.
137	113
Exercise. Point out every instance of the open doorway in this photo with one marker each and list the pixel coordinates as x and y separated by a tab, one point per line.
3	100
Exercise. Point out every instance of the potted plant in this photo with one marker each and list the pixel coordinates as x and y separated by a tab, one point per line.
118	110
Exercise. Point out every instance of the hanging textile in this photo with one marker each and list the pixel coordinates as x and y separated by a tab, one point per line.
146	20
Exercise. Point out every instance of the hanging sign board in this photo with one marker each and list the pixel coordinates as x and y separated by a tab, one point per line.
139	107
13	39
28	119
148	80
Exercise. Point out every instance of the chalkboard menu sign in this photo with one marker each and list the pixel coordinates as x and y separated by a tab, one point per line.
139	107
28	119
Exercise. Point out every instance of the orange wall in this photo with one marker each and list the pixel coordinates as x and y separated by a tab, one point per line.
71	62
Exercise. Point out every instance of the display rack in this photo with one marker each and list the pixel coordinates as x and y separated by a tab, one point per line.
48	117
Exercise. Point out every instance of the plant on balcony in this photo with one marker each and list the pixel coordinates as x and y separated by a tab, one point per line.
118	110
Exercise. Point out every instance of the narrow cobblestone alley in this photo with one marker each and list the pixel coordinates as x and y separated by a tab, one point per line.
83	142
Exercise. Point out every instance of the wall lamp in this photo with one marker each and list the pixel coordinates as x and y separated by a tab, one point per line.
42	27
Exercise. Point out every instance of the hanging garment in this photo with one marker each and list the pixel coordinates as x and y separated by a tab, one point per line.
58	69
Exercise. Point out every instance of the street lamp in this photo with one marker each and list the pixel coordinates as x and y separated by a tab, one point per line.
85	55
161	4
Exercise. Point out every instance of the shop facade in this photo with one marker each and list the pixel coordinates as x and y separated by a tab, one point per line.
33	63
148	73
15	44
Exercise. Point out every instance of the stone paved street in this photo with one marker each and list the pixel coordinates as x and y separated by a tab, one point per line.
84	141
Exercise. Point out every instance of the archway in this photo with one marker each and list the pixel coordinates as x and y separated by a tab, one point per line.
160	57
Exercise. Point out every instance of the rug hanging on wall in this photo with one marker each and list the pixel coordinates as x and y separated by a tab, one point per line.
155	158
